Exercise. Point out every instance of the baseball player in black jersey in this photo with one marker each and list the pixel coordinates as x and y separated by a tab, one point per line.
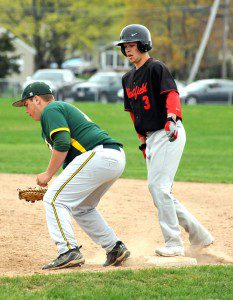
152	99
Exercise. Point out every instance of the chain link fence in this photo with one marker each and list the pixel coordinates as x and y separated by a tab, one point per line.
10	89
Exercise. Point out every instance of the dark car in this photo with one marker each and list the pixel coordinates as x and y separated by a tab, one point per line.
60	81
101	87
212	91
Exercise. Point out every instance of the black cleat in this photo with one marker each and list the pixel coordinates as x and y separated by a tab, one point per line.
117	255
71	258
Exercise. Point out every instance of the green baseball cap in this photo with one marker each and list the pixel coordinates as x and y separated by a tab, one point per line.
33	89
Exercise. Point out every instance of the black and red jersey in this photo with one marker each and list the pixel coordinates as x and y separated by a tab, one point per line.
145	91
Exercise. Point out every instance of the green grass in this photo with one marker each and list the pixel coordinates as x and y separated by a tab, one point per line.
208	155
213	282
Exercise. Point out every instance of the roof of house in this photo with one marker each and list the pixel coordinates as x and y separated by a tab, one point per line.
18	41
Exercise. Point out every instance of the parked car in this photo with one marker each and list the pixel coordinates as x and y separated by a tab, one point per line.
100	87
76	65
120	94
180	87
210	91
60	81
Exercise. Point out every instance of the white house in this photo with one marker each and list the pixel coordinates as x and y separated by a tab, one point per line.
112	58
26	61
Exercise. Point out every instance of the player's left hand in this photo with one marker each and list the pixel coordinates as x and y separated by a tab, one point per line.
171	129
42	179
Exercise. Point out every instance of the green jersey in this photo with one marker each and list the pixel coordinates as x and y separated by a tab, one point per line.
84	134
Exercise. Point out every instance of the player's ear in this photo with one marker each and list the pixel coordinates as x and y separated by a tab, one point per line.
37	100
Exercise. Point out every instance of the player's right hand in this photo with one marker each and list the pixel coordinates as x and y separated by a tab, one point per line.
144	153
142	147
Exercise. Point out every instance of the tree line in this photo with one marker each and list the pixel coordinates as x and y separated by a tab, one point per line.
58	28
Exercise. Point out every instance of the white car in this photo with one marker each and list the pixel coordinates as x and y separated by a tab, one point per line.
61	81
181	88
120	94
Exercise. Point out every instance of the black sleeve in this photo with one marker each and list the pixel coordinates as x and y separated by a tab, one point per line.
127	105
163	77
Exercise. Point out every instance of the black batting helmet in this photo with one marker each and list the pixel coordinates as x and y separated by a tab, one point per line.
135	33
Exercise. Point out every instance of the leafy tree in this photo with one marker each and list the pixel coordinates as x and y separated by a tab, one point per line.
56	28
177	27
8	61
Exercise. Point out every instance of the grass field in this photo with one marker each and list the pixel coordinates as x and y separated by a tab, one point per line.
184	283
208	155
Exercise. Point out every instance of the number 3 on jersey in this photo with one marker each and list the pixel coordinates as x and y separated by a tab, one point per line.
146	102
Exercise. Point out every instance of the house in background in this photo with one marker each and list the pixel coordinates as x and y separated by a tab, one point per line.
26	61
111	58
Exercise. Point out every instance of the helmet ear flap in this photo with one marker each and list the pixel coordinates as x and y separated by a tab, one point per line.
142	47
123	50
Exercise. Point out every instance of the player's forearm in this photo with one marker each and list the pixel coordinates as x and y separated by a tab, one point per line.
56	161
173	105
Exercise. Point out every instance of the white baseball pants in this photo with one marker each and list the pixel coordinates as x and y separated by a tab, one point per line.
163	158
77	192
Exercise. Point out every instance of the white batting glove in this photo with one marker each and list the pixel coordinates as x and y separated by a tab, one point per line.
171	129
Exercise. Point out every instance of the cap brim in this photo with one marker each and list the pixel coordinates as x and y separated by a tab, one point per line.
18	103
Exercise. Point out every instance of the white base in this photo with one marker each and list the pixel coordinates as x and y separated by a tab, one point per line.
152	261
175	261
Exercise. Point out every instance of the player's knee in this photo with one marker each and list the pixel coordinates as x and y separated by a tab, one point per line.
83	211
155	187
159	193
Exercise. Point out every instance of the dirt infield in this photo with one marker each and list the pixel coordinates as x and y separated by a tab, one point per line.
25	243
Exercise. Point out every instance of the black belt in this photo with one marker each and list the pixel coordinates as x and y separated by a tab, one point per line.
112	146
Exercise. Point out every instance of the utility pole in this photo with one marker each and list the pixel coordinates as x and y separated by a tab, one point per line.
204	41
225	37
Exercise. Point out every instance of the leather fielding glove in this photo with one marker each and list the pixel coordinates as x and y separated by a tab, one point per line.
32	194
143	149
171	129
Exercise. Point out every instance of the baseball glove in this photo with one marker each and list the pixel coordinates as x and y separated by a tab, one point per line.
32	194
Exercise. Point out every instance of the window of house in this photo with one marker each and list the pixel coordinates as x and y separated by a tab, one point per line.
120	61
109	59
113	59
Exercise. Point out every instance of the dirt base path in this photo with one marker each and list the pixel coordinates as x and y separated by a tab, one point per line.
26	246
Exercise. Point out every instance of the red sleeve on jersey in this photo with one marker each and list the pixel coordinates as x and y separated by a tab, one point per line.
133	119
173	104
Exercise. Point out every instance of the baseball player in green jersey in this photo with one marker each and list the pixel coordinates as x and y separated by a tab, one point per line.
92	162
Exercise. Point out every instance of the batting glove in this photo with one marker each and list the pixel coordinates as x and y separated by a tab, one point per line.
171	129
143	149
